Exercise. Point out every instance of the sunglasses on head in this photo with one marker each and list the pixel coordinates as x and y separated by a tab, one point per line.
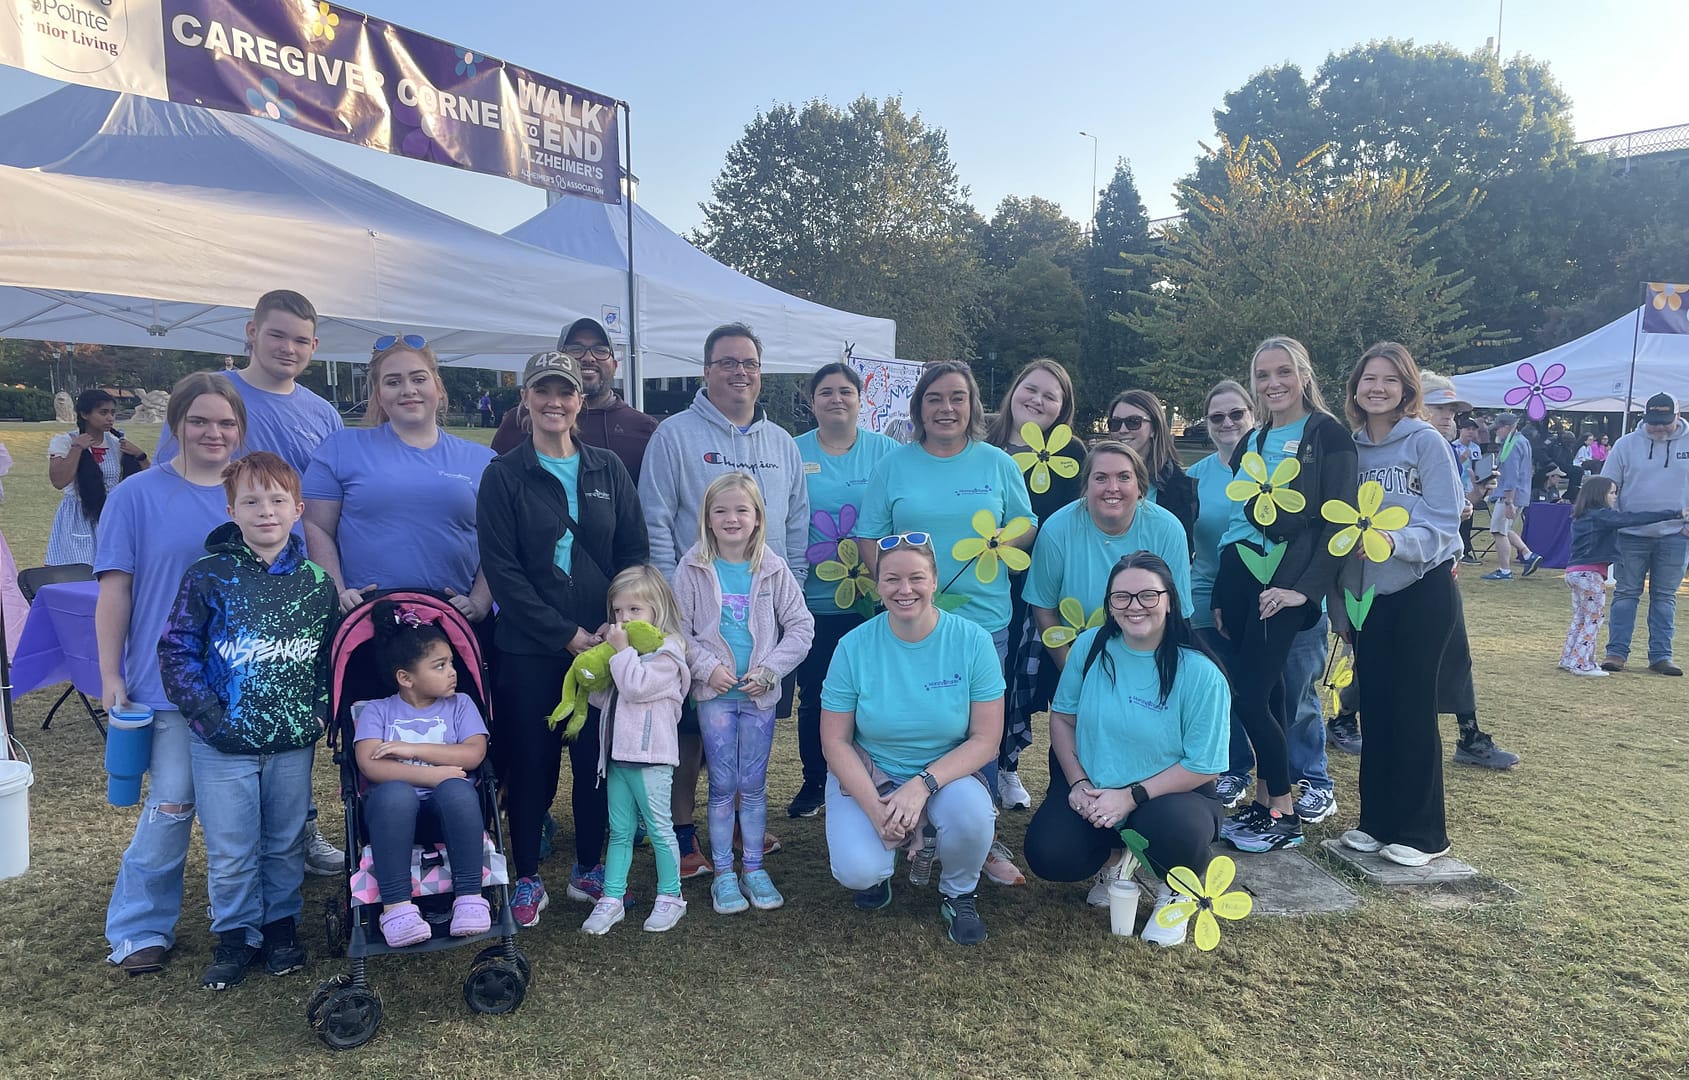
1215	419
387	341
1129	423
913	539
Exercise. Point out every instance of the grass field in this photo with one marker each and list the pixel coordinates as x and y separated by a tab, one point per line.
1582	974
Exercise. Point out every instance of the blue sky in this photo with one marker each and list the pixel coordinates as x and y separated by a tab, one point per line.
1011	83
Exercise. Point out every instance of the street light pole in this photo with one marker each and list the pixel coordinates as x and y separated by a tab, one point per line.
1093	139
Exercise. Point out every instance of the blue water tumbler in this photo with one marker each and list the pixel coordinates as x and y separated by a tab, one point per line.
128	752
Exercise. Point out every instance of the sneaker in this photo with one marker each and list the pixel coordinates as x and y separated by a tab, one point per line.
770	842
471	915
1343	732
1108	875
1665	667
548	829
665	912
1403	855
725	896
961	916
1000	865
1244	818
874	897
229	963
1471	560
1270	830
1612	663
808	801
1532	561
1499	575
1156	934
283	954
323	858
1591	672
760	888
529	901
693	864
1355	840
403	925
1314	804
1231	788
605	914
1482	750
1012	793
585	885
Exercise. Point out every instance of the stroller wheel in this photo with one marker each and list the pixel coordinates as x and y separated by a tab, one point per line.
494	986
496	952
313	1009
335	924
348	1017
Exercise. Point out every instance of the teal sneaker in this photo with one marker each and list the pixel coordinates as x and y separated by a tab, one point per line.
725	896
961	917
760	887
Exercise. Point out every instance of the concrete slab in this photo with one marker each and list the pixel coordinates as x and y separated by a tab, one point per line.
1282	883
1378	870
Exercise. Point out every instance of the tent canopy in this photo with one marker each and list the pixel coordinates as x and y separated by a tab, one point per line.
1596	371
683	294
127	221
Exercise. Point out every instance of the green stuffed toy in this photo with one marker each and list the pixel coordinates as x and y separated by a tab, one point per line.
591	670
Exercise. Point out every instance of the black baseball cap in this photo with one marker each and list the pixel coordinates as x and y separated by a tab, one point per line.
1661	409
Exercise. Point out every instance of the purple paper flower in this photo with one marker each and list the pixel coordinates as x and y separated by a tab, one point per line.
1535	389
834	529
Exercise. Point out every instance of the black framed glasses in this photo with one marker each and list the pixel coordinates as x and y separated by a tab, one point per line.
913	539
1215	419
1148	599
749	367
597	352
1128	423
387	341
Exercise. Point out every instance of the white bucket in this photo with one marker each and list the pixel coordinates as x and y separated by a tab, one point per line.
15	780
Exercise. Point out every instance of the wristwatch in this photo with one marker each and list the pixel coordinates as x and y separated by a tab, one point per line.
1139	795
930	780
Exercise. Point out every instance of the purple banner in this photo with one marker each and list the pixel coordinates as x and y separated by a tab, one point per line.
340	73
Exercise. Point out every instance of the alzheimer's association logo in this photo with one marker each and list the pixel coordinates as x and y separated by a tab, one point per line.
80	36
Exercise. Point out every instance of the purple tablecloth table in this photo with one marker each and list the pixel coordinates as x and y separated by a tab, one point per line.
1548	532
58	644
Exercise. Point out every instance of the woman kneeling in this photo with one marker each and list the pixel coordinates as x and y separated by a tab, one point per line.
1140	728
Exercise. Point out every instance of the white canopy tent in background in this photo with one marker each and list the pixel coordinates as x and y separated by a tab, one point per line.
683	294
1597	371
127	221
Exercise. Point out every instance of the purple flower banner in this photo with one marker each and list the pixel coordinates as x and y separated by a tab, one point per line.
334	71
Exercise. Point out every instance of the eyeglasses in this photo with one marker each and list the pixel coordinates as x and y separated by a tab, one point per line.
597	352
1148	599
913	539
1129	423
1215	419
749	367
387	341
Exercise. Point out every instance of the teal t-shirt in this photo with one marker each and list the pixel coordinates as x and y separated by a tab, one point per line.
1276	445
1074	558
912	698
735	579
1125	732
1214	515
837	484
568	473
913	491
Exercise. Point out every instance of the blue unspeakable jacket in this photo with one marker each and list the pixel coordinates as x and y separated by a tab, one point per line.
245	653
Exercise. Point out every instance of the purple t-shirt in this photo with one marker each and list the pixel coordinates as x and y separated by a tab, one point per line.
154	526
447	722
290	426
407	516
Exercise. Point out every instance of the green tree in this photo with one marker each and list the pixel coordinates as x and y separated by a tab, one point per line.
1035	309
1023	227
858	208
1113	287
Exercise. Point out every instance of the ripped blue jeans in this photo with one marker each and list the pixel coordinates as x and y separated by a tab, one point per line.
737	739
147	897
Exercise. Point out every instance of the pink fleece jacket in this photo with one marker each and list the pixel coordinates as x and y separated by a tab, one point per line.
649	692
780	623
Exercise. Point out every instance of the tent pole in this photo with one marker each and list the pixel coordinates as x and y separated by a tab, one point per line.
635	385
1630	391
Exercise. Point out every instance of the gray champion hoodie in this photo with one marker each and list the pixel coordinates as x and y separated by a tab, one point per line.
692	448
1652	474
1417	472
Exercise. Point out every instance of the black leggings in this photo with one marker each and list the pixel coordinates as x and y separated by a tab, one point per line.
1062	846
527	690
1398	653
1256	665
808	677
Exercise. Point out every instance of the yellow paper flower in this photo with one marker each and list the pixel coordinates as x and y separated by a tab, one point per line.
1074	613
1666	296
1365	520
1275	491
1040	456
992	544
849	572
1205	900
323	20
1342	674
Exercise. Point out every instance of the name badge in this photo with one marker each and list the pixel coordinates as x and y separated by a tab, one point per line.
811	468
1290	447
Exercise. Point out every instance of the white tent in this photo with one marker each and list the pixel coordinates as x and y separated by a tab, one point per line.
1596	371
683	294
127	221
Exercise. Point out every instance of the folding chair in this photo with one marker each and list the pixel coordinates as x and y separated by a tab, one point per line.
30	583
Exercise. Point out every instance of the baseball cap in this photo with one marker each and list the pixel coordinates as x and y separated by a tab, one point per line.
1506	419
582	324
1439	390
1661	409
544	365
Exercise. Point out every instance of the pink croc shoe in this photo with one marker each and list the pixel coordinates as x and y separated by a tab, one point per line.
470	916
403	925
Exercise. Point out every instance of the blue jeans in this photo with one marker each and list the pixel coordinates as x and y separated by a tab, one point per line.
961	813
398	819
251	812
146	899
1000	642
1305	739
1662	560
